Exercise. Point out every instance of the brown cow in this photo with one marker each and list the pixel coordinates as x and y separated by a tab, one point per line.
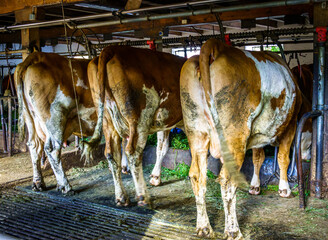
244	100
47	104
50	112
305	83
141	90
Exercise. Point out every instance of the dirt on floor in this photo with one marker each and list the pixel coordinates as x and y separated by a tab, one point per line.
260	217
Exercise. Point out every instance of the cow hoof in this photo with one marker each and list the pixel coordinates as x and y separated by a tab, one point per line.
233	235
122	202
285	193
38	186
125	170
142	202
155	180
66	191
205	232
254	190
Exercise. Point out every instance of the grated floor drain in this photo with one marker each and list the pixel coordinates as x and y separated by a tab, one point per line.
28	215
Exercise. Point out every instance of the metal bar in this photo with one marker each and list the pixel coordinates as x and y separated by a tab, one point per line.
103	15
314	121
320	123
4	132
316	113
9	128
154	17
197	12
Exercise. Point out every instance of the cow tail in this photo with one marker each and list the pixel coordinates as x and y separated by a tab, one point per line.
18	80
210	51
20	95
98	96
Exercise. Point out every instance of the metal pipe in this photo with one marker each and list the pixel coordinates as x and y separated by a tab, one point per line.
197	12
293	162
10	143
155	17
4	132
320	123
102	15
316	113
275	159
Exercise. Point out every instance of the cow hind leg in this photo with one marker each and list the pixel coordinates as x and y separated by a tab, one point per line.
35	145
283	159
53	151
161	150
198	172
121	196
228	192
135	163
113	155
258	159
36	150
233	152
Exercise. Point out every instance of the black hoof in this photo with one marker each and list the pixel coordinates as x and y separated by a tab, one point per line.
38	186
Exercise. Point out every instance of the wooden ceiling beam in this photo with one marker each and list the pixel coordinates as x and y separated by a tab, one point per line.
8	6
266	23
186	30
200	19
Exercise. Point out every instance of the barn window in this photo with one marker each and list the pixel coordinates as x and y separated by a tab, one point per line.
272	48
190	51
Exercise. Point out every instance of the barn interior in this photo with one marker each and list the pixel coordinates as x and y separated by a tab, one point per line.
81	29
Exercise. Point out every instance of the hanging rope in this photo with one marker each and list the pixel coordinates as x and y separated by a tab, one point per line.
218	19
71	68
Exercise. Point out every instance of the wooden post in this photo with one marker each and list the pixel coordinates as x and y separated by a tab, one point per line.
29	37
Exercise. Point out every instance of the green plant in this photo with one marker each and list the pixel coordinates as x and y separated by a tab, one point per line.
152	140
272	188
211	175
102	164
179	141
180	171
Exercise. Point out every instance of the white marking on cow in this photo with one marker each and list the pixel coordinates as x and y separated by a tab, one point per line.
58	110
275	78
147	114
118	120
163	99
85	114
80	82
306	143
255	180
161	150
283	184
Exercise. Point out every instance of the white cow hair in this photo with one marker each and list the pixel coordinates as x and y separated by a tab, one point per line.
275	78
60	102
85	114
147	114
80	82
